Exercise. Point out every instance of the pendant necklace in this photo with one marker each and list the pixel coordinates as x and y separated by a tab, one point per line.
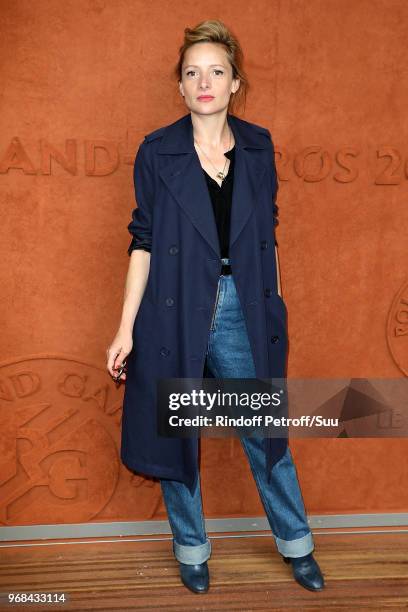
220	174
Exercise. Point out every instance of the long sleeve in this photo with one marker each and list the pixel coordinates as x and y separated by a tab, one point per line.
275	185
142	216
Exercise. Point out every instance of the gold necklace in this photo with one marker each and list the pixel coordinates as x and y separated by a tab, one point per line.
220	174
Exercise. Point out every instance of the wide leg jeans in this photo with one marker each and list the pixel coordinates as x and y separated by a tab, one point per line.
229	356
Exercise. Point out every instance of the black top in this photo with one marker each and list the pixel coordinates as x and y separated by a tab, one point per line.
221	199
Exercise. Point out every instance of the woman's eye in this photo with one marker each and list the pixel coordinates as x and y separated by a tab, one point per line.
217	72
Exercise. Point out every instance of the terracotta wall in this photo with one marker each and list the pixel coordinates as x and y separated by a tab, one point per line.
81	83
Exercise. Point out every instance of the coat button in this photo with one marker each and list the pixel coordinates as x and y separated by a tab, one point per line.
173	250
264	244
169	301
164	351
275	339
268	292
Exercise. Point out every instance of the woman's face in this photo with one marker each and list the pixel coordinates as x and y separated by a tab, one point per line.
206	71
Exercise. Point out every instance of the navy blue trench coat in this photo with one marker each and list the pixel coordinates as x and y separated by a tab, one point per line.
174	217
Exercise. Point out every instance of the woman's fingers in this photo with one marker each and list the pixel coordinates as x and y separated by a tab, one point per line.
119	366
119	360
112	354
116	359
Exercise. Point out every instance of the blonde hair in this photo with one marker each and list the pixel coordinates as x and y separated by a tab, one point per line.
216	31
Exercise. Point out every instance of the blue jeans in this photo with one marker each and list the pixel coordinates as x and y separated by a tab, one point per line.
229	356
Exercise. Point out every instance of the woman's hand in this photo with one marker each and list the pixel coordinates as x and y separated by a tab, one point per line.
117	353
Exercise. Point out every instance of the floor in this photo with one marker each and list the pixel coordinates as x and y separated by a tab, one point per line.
362	571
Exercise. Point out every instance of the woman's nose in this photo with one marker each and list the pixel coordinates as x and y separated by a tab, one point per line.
204	82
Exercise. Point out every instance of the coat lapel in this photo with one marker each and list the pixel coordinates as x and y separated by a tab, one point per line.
184	177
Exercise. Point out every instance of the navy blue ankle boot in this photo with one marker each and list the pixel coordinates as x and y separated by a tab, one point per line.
195	577
306	572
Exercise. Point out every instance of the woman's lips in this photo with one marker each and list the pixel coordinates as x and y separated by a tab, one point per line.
206	98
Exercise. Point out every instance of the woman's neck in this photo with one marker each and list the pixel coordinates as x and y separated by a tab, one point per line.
212	132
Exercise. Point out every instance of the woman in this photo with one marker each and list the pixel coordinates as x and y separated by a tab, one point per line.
203	296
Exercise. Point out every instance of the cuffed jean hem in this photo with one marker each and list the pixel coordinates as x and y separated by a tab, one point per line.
295	548
192	555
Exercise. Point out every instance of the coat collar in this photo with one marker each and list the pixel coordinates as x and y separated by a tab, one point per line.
184	177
